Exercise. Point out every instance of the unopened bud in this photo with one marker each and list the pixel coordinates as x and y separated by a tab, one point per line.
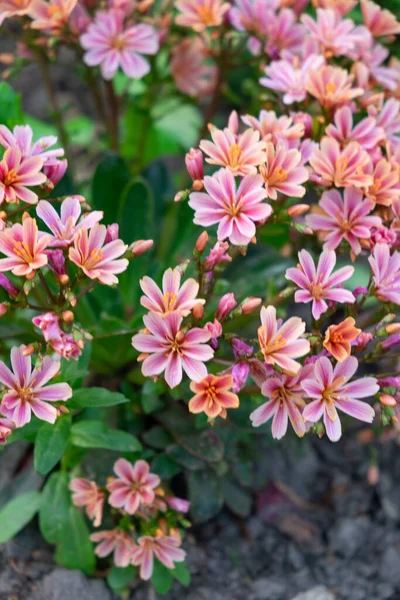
68	316
287	292
144	5
182	267
297	210
64	279
142	356
194	164
197	185
373	475
30	275
202	241
28	350
181	196
81	344
141	246
225	305
387	400
63	409
3	308
250	304
198	311
393	328
3	215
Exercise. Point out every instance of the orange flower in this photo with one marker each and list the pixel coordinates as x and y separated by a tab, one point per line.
212	396
338	338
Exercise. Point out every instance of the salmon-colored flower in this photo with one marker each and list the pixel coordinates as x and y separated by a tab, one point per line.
133	487
283	172
87	493
192	73
320	284
385	186
342	6
24	247
97	259
17	174
117	541
200	14
279	342
330	389
380	22
164	548
51	16
342	168
338	338
346	218
172	297
241	154
331	86
213	396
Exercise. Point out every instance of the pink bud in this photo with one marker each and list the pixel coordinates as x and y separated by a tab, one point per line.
233	122
6	427
373	475
202	241
250	304
141	246
387	400
8	286
297	210
56	261
178	504
362	340
55	170
226	304
3	308
392	340
112	233
194	164
240	372
240	348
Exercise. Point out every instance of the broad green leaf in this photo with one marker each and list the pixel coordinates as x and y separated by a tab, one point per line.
74	371
157	437
51	442
181	573
110	179
165	467
95	434
80	130
17	513
236	499
205	495
75	550
54	509
184	458
10	106
95	397
27	432
170	125
119	578
161	578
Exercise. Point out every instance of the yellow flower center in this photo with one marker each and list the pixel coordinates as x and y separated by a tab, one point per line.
118	42
206	15
169	300
94	258
52	11
22	250
330	88
341	164
25	394
234	154
316	290
279	174
376	186
346	225
11	177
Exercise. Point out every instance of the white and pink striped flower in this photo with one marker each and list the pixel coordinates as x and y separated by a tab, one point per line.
17	175
164	548
117	541
173	297
133	487
283	172
241	154
24	246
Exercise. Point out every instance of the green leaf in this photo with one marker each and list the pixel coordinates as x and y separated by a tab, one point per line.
74	371
161	578
95	397
95	434
75	550
184	458
54	509
17	513
80	130
236	499
27	432
170	125
51	442
110	179
157	437
10	106
181	573
205	495
119	578
165	467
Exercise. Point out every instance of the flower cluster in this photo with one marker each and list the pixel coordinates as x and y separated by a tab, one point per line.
143	508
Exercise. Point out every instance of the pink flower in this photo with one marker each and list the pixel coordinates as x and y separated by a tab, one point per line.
17	174
240	154
54	170
51	16
225	306
290	78
171	349
6	428
96	260
385	186
284	34
334	35
319	284
283	172
214	328
253	16
235	210
87	493
389	119
24	247
200	14
13	8
342	6
178	504
276	129
217	255
172	297
66	346
111	45
21	137
286	399
194	164
133	487
164	548
48	324
380	22
344	218
66	226
386	273
26	391
366	132
117	541
331	86
279	341
329	390
341	168
192	74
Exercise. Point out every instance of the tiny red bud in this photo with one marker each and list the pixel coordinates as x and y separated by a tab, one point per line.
3	308
64	279
250	305
393	328
198	311
28	350
297	210
387	400
202	241
68	316
141	246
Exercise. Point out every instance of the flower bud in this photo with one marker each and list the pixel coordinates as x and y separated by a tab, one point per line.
141	246
297	210
387	400
373	475
240	372
3	308
8	286
6	428
363	339
202	241
194	164
55	171
225	305
178	504
112	233
360	290
64	279
198	311
393	328
68	316
197	185
392	340
28	350
56	262
389	382
250	304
